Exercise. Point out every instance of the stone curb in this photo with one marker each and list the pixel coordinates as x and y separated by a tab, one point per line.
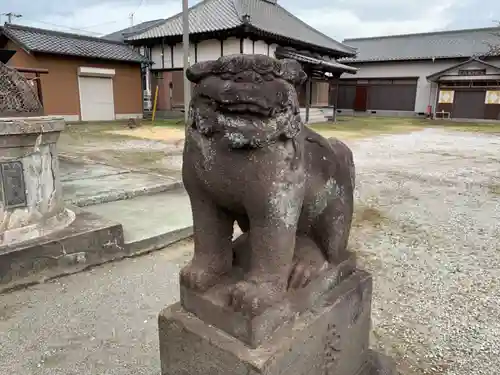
123	195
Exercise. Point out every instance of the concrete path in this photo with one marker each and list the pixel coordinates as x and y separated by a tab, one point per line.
100	322
150	222
154	210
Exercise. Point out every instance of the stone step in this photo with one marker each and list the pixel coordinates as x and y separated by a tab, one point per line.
315	115
150	222
95	184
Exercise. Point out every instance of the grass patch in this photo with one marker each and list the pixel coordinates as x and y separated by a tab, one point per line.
367	126
157	133
346	127
368	216
494	189
471	127
170	123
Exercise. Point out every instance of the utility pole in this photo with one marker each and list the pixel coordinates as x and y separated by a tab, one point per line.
10	15
185	43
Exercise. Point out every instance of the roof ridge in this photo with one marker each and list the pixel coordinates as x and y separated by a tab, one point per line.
441	32
139	29
312	28
8	26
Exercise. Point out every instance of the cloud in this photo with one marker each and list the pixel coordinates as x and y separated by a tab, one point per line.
337	18
342	23
99	18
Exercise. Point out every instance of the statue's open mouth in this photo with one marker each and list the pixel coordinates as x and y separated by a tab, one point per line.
243	108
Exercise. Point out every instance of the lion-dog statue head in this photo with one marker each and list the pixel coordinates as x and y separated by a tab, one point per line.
249	99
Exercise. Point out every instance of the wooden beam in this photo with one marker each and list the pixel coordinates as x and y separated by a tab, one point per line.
162	54
172	55
31	70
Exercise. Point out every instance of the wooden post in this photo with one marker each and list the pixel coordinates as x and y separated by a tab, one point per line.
335	105
154	105
39	89
308	97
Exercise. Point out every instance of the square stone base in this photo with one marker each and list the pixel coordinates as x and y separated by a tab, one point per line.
331	339
87	241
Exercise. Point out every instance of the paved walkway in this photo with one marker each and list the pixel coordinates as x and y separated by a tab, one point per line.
100	322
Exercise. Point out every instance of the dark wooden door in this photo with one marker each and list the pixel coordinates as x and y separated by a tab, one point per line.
360	99
469	104
177	88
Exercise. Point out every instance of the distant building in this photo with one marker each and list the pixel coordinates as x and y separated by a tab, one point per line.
450	71
84	78
119	36
224	27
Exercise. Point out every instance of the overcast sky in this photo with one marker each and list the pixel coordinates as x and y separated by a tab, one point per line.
337	18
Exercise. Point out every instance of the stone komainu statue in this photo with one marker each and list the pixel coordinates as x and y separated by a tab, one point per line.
248	158
17	95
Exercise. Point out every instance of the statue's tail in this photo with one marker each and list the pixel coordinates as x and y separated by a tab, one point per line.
345	157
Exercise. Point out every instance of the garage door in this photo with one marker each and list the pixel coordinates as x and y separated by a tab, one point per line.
469	104
378	94
96	98
396	96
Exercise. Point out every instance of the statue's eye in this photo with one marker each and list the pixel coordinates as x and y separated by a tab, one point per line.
225	76
268	77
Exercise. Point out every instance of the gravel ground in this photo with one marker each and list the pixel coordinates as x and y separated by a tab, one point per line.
427	227
431	238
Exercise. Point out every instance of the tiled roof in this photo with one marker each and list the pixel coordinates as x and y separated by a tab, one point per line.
118	36
437	75
443	44
55	42
266	16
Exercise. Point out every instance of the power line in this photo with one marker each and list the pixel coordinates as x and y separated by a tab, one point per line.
132	14
101	24
84	29
63	26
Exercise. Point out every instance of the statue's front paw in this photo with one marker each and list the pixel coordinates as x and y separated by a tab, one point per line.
199	277
253	297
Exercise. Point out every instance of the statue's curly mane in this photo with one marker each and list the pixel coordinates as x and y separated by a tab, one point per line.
287	69
250	99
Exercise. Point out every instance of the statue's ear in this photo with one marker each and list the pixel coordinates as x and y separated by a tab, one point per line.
195	73
291	71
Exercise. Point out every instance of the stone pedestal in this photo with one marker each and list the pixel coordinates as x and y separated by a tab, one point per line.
31	202
40	238
331	338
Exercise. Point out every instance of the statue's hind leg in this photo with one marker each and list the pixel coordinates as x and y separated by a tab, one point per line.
331	230
332	226
308	262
